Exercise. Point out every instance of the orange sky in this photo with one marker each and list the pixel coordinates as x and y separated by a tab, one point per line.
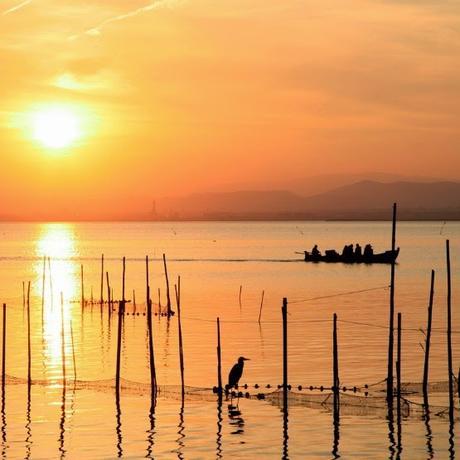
177	96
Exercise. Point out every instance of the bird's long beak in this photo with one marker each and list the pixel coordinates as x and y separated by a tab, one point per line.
247	359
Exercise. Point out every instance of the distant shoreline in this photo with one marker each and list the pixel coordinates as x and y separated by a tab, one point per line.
249	220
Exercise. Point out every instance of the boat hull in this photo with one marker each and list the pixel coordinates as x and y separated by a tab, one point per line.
386	257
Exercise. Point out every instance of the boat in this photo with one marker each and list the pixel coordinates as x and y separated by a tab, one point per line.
332	256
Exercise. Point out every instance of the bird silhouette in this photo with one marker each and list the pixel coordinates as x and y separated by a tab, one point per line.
235	373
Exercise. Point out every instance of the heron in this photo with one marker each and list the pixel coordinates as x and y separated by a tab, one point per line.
235	373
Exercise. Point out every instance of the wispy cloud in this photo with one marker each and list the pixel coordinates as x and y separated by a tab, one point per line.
17	7
96	30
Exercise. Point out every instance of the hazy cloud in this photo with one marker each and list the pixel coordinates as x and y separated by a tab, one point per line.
17	7
151	6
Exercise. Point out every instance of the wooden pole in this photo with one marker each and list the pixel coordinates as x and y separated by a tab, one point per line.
73	354
118	362
392	314
168	297
219	360
82	288
335	353
29	349
159	303
181	348
153	377
428	340
123	284
449	333
102	279
261	305
63	340
285	356
239	295
51	283
109	297
4	350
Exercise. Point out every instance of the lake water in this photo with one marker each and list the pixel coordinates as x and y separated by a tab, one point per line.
213	261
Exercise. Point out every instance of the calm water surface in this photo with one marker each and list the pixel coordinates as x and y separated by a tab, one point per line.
214	260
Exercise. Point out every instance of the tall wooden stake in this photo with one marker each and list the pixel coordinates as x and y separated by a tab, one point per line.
109	297
392	314
119	340
123	284
285	356
168	297
63	341
29	349
239	295
428	341
159	303
82	288
449	334
73	353
181	348
51	283
261	305
219	360
335	353
153	377
102	279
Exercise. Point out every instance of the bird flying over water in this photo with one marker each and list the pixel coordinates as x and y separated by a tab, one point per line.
235	373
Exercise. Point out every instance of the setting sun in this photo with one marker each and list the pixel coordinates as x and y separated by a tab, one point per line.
56	127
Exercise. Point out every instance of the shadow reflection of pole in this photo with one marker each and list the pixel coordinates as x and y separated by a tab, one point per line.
151	432
398	391
118	426
219	451
429	432
28	424
391	431
62	424
181	433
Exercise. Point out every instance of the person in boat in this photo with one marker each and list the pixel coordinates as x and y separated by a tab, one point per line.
347	252
315	251
368	251
358	251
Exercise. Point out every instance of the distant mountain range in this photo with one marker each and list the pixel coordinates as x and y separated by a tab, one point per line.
366	199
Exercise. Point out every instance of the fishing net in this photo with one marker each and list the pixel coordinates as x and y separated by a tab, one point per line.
369	400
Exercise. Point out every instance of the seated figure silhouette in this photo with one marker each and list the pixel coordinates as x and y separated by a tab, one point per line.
315	251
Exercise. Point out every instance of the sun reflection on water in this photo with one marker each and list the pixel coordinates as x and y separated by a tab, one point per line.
55	248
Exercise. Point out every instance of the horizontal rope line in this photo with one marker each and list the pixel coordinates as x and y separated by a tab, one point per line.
338	294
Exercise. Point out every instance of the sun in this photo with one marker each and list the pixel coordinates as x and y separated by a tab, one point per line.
56	127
